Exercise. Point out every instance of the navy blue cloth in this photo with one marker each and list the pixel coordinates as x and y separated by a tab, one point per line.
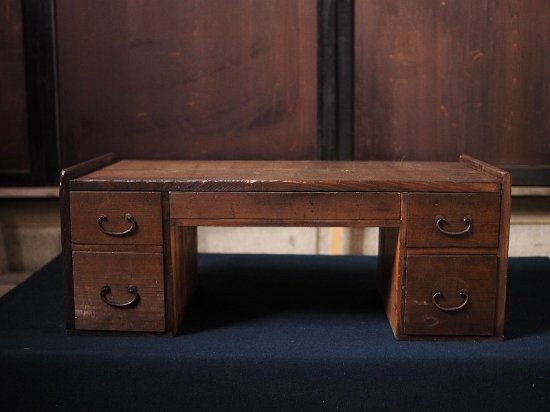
275	333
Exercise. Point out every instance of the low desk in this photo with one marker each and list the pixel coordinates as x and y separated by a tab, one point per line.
129	232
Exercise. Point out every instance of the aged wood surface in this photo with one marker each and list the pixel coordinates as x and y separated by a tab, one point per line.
434	79
93	270
285	205
392	253
87	207
504	234
13	96
416	258
482	208
117	248
504	240
267	222
288	176
65	217
188	79
452	251
451	274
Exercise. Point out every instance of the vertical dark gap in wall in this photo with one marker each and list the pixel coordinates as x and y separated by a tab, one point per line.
344	79
326	74
335	73
38	38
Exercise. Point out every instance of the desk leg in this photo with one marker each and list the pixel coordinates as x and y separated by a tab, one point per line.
392	253
391	268
183	251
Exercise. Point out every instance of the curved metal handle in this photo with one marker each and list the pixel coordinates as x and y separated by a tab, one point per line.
467	221
129	218
462	292
106	290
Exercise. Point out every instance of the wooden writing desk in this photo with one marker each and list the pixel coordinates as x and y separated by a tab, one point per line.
130	238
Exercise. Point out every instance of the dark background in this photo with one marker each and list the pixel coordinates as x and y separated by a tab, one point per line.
278	79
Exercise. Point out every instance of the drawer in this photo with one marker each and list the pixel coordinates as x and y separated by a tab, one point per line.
286	205
116	218
453	220
118	291
450	295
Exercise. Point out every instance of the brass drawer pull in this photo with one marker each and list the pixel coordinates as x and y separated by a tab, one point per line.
129	218
106	290
440	220
462	292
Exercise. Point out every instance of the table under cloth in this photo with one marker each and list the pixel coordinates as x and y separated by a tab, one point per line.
275	333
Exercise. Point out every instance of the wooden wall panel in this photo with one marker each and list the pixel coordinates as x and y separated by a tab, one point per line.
437	78
14	153
187	79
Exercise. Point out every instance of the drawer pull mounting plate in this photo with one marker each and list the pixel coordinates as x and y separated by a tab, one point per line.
439	220
106	290
462	292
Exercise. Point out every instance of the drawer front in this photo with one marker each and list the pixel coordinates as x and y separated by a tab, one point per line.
453	220
286	205
450	295
116	218
103	294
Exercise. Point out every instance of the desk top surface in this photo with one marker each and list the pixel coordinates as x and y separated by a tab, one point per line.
287	176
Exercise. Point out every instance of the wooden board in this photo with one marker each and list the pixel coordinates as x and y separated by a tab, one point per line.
481	209
285	205
144	229
434	79
94	270
187	79
475	275
14	155
288	176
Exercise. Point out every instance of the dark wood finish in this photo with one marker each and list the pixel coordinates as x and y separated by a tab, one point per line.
327	132
402	198
87	207
335	80
532	175
93	270
387	248
14	156
192	79
28	134
266	222
41	91
504	235
392	254
285	205
504	239
452	251
483	208
277	176
450	274
169	270
435	79
344	79
493	82
117	248
65	214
